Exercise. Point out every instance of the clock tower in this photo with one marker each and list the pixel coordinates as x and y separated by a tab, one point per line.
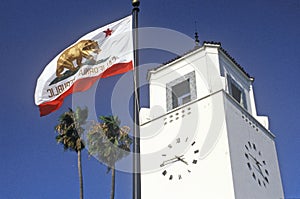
201	136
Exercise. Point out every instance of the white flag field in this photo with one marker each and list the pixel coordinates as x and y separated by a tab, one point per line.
102	53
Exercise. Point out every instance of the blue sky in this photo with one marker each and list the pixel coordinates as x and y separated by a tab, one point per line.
263	36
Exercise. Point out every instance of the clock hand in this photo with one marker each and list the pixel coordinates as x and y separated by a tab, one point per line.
175	158
256	161
259	171
172	160
168	162
258	165
181	159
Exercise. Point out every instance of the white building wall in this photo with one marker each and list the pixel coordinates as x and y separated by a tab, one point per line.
243	128
228	68
211	67
211	177
214	121
221	129
213	74
204	62
246	83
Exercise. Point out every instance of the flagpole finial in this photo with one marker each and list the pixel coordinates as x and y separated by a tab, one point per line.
196	35
135	3
197	39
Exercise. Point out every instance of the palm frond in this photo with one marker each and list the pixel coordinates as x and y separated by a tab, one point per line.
69	129
108	141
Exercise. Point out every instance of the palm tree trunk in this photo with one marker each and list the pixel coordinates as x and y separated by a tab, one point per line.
112	191
80	174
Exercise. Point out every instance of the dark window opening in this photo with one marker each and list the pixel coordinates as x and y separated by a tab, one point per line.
236	91
181	93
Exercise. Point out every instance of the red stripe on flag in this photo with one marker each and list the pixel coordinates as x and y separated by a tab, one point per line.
83	85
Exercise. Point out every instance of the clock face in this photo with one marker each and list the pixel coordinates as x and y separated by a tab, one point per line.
256	164
175	163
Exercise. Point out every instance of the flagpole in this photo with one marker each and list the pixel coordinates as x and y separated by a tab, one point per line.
136	124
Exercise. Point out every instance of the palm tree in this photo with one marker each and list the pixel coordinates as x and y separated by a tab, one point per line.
109	143
69	130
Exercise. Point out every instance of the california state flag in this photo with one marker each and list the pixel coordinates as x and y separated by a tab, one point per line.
104	52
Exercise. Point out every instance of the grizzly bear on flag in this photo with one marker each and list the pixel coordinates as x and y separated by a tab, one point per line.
83	48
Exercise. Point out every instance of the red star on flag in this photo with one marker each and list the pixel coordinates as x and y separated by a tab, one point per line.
107	32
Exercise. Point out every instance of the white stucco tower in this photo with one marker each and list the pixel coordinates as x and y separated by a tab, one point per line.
201	136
